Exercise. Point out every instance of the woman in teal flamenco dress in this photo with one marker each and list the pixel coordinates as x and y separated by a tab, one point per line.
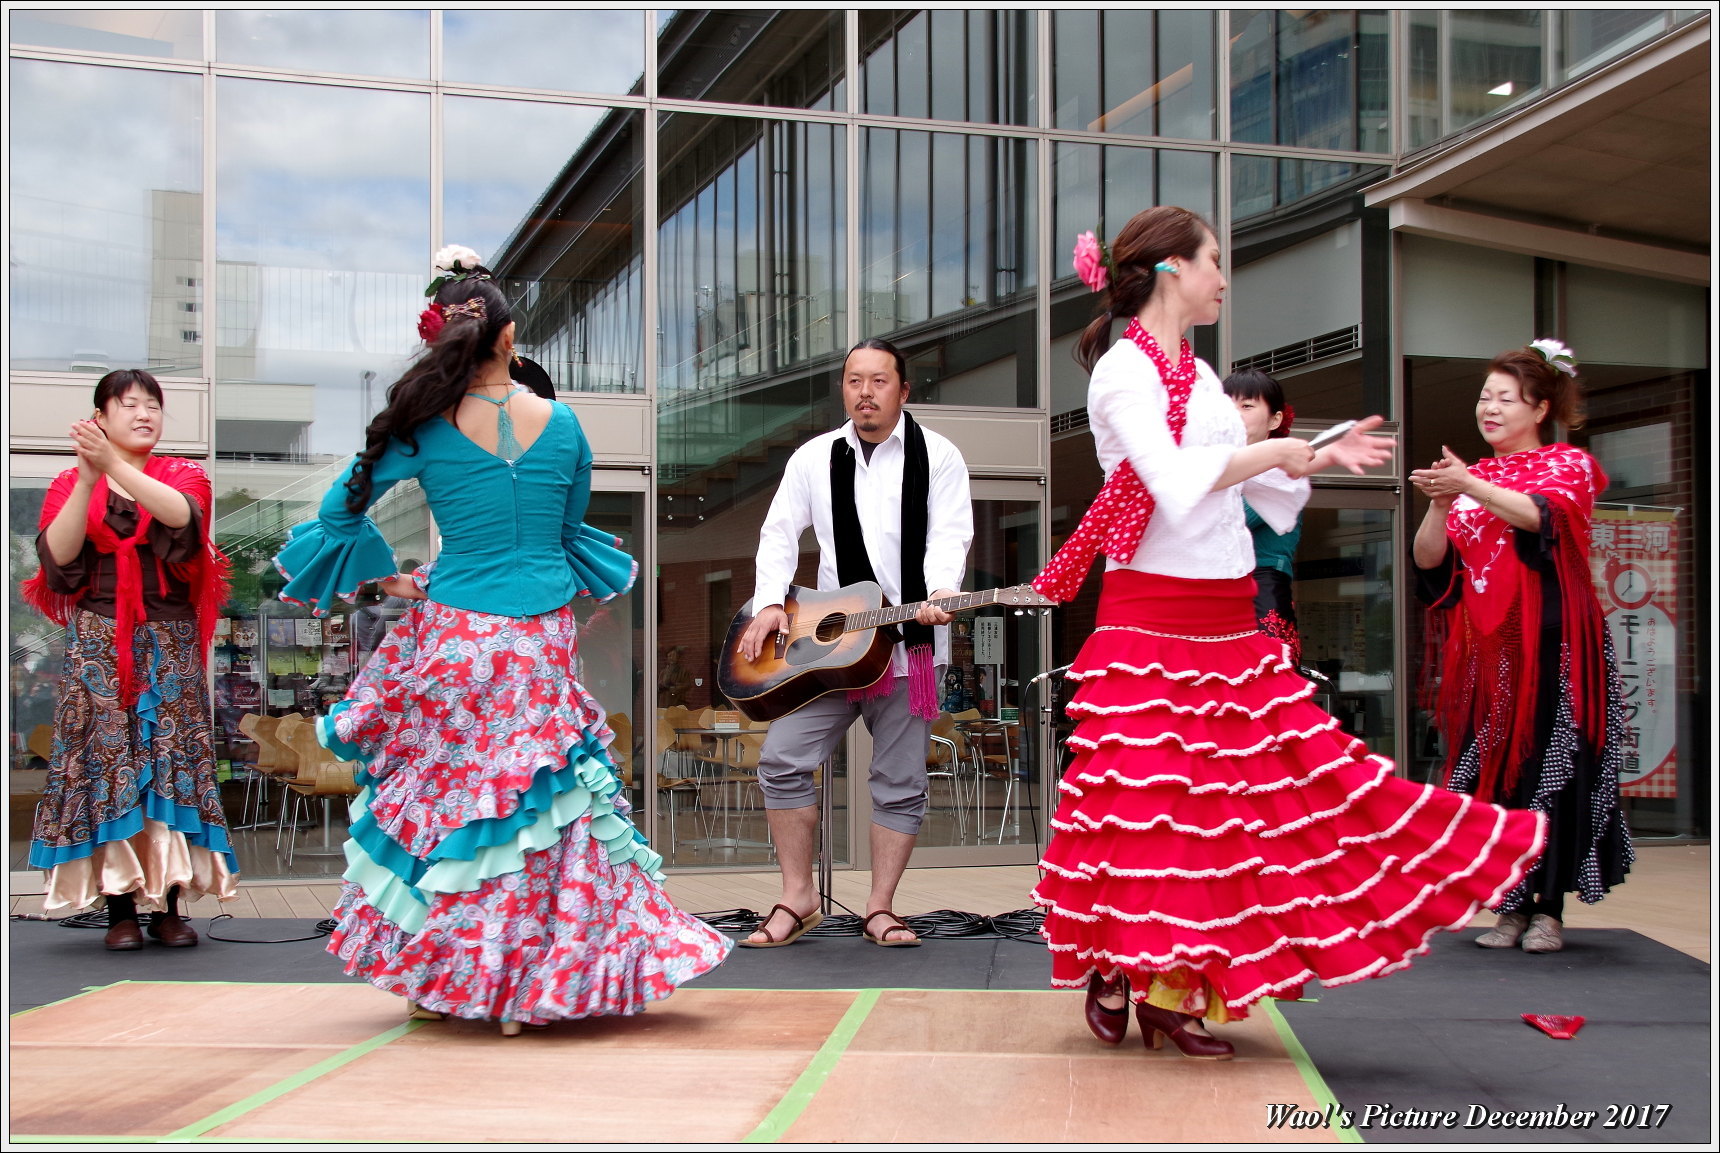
492	872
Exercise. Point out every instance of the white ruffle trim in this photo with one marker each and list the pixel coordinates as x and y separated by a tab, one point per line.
1214	950
1210	748
1235	788
1181	955
1085	872
1257	826
1269	663
1213	708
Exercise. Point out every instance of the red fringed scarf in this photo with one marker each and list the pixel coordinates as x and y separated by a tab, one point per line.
206	573
1118	516
1497	620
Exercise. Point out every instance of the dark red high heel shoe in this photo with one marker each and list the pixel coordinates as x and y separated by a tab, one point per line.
1109	1025
1157	1024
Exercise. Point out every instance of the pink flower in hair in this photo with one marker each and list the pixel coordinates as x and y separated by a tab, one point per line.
430	322
1090	262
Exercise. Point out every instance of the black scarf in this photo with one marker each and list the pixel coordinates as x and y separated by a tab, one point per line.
852	563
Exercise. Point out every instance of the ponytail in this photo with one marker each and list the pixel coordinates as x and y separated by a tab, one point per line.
475	313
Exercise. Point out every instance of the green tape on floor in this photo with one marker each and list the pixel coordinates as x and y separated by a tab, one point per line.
288	1084
812	1078
1310	1075
87	990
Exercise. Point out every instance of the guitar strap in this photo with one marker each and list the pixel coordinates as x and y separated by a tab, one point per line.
853	564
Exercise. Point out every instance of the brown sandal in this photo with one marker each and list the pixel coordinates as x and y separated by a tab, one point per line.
802	926
884	937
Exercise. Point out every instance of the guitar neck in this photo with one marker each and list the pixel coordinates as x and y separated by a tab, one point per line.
896	614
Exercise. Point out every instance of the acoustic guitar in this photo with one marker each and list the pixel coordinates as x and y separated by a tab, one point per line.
836	640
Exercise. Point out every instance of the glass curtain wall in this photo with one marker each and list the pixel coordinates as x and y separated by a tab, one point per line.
947	262
949	64
1155	73
106	199
752	245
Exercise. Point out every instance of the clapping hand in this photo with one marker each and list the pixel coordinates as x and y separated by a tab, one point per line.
95	452
1445	479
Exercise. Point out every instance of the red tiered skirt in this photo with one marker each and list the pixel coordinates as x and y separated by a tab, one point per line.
1220	839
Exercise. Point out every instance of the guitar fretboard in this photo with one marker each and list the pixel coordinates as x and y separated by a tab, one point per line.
896	614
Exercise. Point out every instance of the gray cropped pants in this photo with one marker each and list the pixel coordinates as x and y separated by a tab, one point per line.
800	742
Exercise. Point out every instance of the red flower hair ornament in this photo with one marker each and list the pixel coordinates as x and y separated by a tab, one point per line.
431	322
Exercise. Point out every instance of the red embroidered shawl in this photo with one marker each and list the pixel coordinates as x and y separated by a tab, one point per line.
206	573
1492	665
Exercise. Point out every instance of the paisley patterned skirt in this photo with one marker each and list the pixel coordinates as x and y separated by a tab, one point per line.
492	871
132	804
1219	840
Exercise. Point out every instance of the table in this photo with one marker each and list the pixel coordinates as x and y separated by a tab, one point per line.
727	737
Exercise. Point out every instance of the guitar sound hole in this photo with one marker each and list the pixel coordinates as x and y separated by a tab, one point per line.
830	628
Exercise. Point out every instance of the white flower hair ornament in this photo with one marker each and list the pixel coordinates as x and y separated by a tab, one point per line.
455	262
1557	354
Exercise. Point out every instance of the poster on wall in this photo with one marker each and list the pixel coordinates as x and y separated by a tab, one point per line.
1634	563
988	640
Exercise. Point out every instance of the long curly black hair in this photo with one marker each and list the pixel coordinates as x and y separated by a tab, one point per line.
437	379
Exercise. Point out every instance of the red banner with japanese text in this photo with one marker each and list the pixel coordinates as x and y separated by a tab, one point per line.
1635	567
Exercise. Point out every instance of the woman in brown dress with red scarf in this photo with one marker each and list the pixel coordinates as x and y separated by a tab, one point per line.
132	813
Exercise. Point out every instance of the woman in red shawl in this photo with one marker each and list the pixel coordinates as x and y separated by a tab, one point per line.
1529	700
132	812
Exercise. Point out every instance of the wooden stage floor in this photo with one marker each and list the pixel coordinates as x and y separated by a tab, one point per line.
333	1062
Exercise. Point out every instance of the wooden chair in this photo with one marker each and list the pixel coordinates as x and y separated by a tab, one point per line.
41	743
274	760
675	777
321	774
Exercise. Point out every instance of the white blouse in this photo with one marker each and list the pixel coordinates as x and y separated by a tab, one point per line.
1194	532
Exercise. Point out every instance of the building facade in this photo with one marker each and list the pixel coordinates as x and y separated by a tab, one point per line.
699	211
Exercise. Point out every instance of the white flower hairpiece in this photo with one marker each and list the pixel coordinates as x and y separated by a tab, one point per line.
454	262
1557	354
455	258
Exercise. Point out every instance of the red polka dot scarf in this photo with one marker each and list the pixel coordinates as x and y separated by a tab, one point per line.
1119	514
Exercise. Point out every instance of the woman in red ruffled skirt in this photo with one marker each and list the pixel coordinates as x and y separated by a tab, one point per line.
1219	839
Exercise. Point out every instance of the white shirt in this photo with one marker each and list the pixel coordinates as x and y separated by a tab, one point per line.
1194	532
803	500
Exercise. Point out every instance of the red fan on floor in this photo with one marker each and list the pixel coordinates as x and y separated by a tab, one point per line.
1560	1028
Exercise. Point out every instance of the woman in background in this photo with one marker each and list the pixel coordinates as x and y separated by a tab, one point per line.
1529	698
132	810
1259	401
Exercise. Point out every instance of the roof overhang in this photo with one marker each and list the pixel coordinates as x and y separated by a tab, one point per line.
1612	169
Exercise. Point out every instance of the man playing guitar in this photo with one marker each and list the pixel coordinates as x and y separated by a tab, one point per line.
888	501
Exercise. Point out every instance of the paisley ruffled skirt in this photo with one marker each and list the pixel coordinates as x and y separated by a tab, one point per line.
492	871
1220	840
132	803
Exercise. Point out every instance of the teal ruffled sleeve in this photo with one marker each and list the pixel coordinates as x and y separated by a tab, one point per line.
320	565
339	551
600	569
599	566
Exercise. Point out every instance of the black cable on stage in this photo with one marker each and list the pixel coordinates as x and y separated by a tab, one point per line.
97	919
321	929
1019	925
940	924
